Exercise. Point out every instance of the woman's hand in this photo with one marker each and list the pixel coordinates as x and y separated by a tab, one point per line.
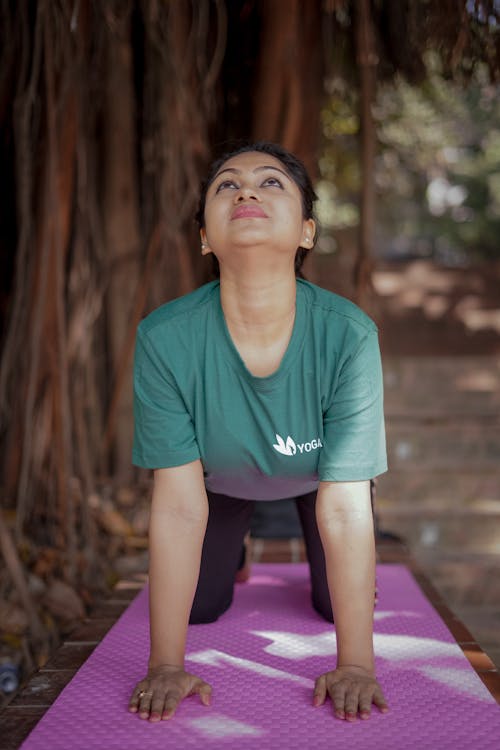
157	696
352	690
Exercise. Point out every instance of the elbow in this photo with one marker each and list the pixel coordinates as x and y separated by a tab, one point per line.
338	518
188	512
345	504
185	514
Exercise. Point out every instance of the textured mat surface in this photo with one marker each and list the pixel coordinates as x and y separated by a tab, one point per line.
262	658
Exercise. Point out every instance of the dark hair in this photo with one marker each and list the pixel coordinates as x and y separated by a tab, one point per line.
293	166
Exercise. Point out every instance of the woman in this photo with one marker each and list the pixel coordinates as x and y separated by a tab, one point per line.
256	387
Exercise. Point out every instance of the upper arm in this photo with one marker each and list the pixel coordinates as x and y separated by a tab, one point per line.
181	490
164	433
353	420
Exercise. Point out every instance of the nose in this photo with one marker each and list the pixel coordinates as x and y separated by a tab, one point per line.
246	193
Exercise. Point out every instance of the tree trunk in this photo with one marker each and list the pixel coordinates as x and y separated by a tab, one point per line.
121	237
185	46
39	369
367	61
288	84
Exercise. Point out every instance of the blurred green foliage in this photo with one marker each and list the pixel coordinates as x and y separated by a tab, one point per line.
437	169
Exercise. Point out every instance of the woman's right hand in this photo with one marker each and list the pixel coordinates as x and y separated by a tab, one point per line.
157	696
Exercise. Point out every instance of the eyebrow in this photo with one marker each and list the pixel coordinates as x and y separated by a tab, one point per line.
233	170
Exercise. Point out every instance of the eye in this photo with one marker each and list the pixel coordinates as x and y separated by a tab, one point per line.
226	184
273	182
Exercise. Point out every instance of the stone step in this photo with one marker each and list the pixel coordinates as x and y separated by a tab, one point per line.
452	445
461	532
423	387
439	490
484	621
467	582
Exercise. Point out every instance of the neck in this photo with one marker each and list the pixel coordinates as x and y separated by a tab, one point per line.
258	309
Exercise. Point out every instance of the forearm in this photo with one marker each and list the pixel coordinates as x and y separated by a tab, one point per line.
345	525
176	539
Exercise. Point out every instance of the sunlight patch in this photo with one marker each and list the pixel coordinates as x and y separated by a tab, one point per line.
221	727
215	658
459	680
392	647
383	615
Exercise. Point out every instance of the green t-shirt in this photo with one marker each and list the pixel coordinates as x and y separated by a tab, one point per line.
319	417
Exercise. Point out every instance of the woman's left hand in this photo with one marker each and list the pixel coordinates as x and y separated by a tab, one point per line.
352	690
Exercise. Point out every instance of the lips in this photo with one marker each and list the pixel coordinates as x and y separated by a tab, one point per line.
245	212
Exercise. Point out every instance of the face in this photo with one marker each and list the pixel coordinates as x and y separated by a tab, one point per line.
253	203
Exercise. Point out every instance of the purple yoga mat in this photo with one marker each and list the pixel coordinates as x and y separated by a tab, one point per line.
261	658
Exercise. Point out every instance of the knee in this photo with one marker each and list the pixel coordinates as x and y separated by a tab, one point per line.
208	611
203	617
323	608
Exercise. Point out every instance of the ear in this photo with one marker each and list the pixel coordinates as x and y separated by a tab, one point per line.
205	249
308	232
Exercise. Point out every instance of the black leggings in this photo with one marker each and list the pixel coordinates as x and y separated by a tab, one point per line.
228	522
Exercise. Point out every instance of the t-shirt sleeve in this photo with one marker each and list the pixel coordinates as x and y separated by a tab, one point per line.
164	433
353	422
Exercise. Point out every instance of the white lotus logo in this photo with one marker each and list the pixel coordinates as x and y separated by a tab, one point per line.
287	449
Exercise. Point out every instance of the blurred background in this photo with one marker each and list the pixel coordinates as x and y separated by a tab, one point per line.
110	112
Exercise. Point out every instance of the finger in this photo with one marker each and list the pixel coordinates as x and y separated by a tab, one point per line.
157	705
133	703
170	707
379	700
135	698
204	691
319	695
365	703
351	703
145	705
337	694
